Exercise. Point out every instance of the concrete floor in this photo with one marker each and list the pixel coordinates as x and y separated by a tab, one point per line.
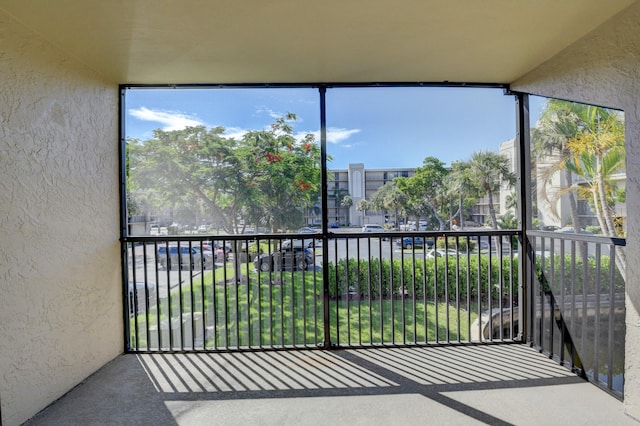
506	384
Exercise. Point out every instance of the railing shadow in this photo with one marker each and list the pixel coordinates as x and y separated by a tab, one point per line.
429	372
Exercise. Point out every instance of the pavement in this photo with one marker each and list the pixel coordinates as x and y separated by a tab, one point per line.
444	385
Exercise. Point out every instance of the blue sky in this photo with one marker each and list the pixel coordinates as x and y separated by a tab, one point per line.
380	127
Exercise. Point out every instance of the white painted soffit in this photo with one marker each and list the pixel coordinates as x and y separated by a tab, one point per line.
225	41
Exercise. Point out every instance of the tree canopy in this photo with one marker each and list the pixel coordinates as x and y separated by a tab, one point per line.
266	178
423	190
586	142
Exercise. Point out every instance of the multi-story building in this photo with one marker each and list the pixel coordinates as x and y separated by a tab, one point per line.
548	184
359	183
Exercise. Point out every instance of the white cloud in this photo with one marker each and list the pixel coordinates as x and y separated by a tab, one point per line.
271	113
335	135
172	120
235	132
169	119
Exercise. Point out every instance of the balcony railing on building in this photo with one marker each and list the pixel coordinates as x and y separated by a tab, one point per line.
221	293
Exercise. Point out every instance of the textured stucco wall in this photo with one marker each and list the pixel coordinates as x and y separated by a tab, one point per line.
604	68
60	297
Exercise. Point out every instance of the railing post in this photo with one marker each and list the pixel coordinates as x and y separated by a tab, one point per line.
523	171
325	215
124	228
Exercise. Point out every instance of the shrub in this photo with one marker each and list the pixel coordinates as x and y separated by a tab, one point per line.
461	244
595	229
423	278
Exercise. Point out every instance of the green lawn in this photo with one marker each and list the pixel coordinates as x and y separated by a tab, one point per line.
287	309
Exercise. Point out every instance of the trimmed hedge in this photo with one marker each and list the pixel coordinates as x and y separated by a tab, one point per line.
375	277
572	276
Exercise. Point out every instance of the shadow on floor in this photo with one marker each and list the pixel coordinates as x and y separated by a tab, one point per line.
452	384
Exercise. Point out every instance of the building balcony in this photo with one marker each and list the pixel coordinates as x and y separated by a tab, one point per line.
261	349
483	384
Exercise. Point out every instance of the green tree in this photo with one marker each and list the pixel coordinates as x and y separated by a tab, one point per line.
598	155
363	205
338	195
389	197
347	202
511	201
422	190
460	186
508	221
171	166
490	170
266	178
558	125
592	147
285	175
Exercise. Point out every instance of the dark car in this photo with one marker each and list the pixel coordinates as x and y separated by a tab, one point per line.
298	244
190	257
220	253
291	257
411	242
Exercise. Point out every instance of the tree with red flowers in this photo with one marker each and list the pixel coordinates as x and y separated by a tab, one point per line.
266	178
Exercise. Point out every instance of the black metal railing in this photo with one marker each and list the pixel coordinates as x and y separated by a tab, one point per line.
576	301
423	288
308	290
352	289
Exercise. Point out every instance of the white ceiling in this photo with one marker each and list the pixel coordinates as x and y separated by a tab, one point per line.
306	41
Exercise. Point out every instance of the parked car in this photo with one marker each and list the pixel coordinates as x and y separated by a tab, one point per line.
306	230
190	257
440	252
137	302
411	242
298	244
291	257
373	227
228	247
204	228
219	254
411	226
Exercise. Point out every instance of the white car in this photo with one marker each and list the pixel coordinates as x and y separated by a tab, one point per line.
372	227
433	253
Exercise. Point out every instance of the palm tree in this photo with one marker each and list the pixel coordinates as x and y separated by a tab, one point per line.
489	170
556	127
362	206
511	201
589	143
508	221
389	197
598	154
347	202
460	184
338	195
